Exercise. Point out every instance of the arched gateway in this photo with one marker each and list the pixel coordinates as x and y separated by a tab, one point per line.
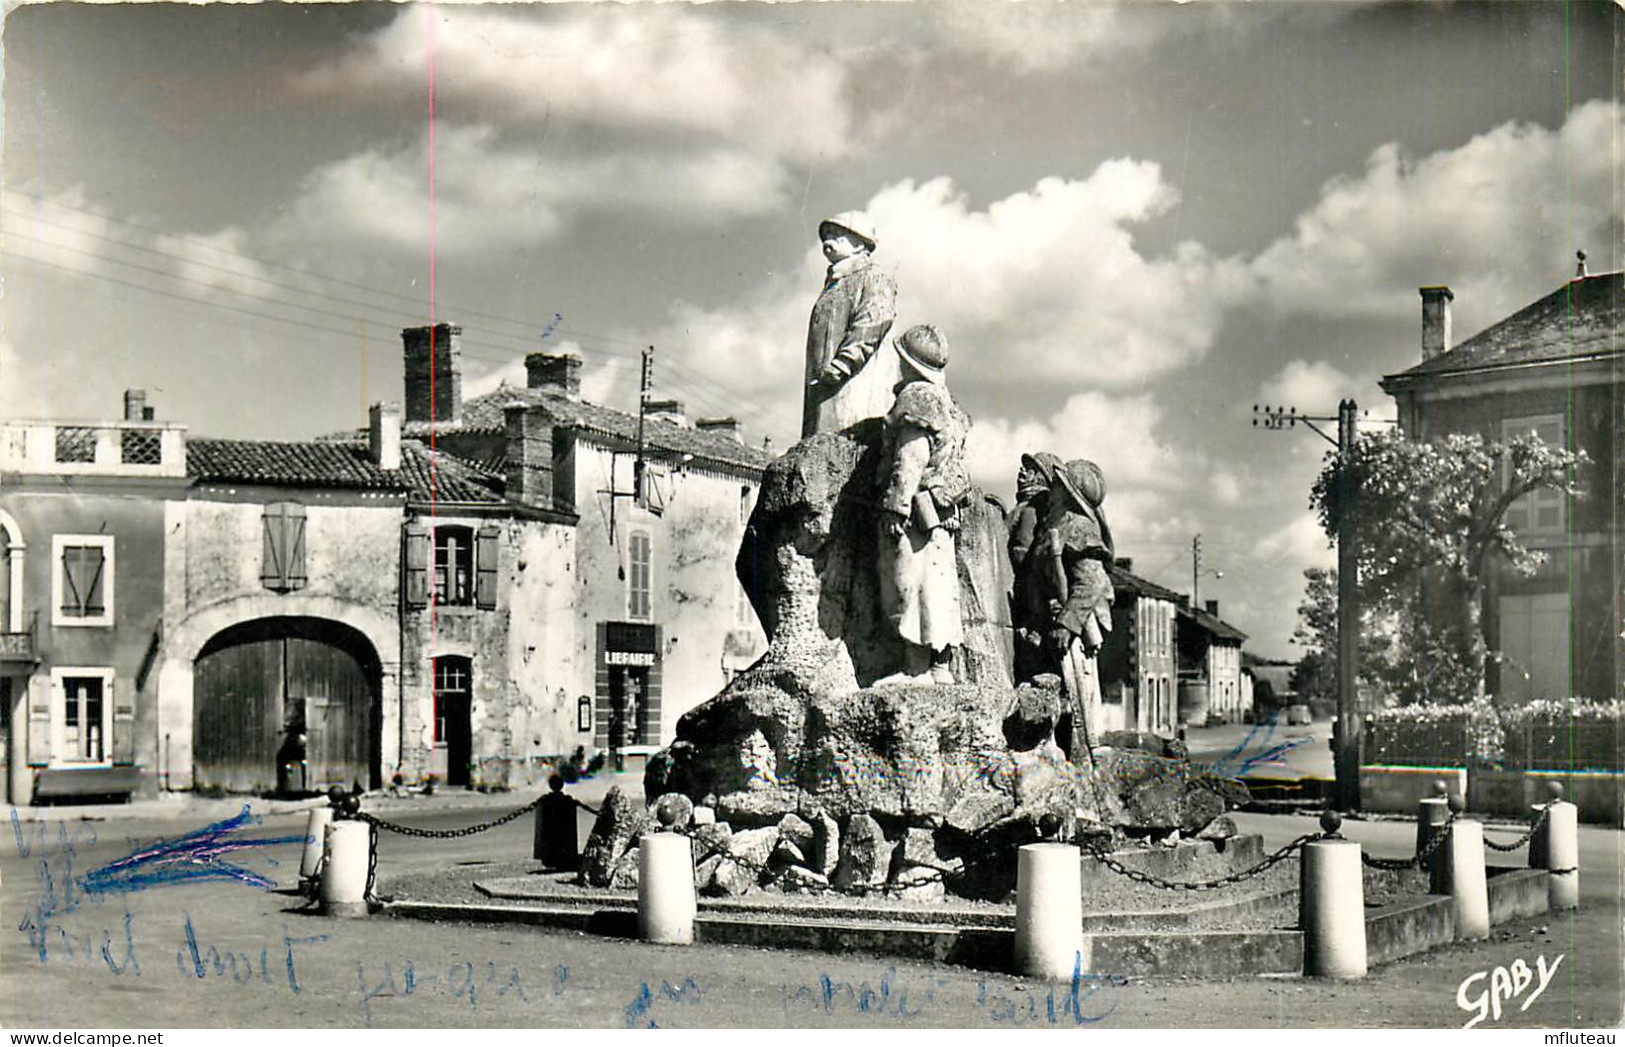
286	703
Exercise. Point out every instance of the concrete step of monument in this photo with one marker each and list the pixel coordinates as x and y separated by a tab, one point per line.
1210	911
1151	953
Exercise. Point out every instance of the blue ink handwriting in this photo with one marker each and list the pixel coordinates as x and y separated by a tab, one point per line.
888	1000
202	962
195	856
1031	1009
640	1012
460	982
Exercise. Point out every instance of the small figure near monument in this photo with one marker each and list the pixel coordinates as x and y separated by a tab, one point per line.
924	488
1067	569
849	321
554	843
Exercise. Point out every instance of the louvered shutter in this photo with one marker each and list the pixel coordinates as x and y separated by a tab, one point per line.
123	747
293	531
485	566
272	572
415	585
93	564
38	699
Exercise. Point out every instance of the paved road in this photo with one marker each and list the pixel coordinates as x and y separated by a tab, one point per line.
1270	751
226	953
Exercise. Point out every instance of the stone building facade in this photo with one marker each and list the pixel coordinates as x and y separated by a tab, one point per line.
1138	673
659	622
81	587
1555	368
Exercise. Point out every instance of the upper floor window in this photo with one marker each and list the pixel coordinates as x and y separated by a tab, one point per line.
640	556
282	559
82	579
454	565
1542	511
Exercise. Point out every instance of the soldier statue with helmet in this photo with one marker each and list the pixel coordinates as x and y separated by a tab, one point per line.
850	319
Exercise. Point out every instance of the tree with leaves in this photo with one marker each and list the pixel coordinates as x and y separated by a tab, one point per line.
1429	520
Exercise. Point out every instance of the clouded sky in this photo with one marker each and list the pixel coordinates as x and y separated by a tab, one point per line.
1133	223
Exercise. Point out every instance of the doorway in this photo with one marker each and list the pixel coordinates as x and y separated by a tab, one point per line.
453	715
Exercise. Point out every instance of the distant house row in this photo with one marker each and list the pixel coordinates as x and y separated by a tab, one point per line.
468	591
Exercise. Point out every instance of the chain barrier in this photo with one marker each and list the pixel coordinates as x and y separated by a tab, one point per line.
1534	827
1423	857
1100	855
446	834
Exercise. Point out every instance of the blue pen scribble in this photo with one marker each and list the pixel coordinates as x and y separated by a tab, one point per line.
558	318
1231	764
195	856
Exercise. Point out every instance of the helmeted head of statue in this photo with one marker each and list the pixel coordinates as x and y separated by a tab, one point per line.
925	349
846	234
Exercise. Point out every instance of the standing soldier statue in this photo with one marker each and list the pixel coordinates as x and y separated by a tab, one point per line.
1029	611
1067	566
849	321
924	490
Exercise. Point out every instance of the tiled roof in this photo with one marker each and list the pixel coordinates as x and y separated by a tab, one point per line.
1584	317
1217	626
1126	581
343	465
483	414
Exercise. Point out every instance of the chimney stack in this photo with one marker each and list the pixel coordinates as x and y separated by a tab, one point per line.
1435	321
726	426
1126	563
384	435
135	405
554	373
434	372
1212	607
1580	265
666	411
529	455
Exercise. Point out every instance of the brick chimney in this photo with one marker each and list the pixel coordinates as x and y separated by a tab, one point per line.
554	373
1435	321
384	435
666	411
529	454
725	426
1212	607
434	372
135	405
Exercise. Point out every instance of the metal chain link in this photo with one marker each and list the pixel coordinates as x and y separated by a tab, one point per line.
447	834
1100	855
1534	826
1423	857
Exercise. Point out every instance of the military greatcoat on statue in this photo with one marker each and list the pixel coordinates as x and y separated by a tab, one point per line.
849	320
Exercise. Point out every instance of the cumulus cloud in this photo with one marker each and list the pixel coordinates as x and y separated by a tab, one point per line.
1495	218
1300	542
662	67
487	195
1043	289
1310	386
61	230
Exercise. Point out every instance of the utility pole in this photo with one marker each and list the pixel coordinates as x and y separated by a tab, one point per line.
1196	571
1350	717
638	493
1346	735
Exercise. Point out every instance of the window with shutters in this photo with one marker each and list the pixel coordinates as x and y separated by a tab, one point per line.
282	563
81	715
453	565
82	579
1543	511
640	562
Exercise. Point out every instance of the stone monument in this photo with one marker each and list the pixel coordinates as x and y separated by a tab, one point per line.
883	742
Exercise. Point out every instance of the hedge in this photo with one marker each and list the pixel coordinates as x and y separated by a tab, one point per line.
1551	734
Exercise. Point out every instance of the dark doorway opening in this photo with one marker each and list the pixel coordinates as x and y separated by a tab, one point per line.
453	709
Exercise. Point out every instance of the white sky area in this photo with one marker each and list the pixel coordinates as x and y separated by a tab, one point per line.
1133	223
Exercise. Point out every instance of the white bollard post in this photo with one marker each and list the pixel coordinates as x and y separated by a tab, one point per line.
1464	878
1559	854
1049	911
315	840
344	876
666	902
1331	906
